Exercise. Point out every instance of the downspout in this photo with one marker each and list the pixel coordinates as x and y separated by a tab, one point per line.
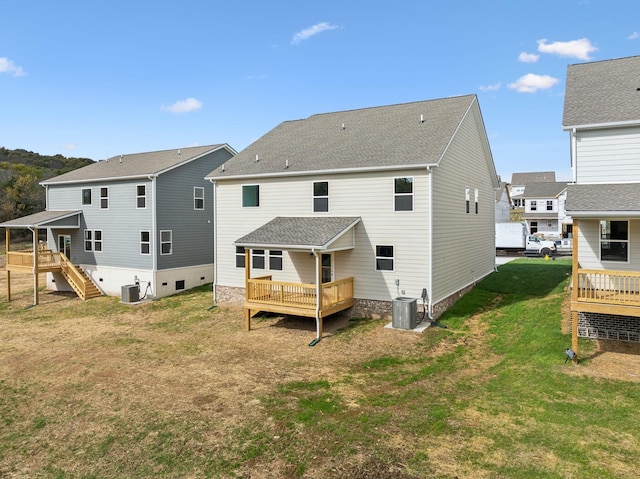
574	154
35	264
215	242
430	222
154	235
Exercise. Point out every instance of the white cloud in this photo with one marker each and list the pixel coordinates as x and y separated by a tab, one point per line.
634	36
494	87
311	31
183	106
574	48
7	66
531	83
69	146
528	57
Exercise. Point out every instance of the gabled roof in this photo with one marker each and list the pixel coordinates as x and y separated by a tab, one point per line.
602	93
44	218
543	190
395	136
520	179
299	232
603	200
138	165
503	188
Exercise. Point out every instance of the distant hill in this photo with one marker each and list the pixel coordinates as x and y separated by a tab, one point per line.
21	171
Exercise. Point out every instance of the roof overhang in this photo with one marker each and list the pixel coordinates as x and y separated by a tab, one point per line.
317	233
593	126
60	219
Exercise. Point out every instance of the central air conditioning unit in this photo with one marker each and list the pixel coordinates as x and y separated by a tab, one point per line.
404	313
130	293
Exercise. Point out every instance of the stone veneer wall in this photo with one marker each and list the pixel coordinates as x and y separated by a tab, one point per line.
608	326
362	308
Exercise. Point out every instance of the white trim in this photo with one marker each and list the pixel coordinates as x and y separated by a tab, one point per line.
148	243
144	196
313	197
100	197
395	195
201	188
82	190
375	256
170	242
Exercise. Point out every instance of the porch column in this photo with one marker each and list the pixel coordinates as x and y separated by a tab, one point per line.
574	291
319	295
247	276
7	245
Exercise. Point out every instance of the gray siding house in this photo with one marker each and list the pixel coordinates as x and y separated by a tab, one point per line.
143	218
353	209
602	116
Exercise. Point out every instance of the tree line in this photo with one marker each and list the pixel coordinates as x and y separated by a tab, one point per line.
21	171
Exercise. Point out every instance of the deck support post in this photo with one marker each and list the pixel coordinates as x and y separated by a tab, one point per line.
7	245
318	258
36	299
247	276
574	291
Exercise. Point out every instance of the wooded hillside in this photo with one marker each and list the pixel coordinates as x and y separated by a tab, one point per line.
21	171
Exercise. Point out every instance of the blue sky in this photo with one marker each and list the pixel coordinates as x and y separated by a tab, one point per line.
98	79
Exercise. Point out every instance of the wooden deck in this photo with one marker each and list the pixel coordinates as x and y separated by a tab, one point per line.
50	261
297	299
607	291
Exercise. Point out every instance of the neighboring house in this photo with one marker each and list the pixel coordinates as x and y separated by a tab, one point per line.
544	209
142	219
520	180
355	208
602	116
503	203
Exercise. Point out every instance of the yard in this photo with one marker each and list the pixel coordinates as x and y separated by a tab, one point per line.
172	388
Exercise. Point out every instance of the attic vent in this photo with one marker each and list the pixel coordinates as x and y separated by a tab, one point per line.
179	152
286	164
257	158
120	158
222	167
343	127
421	118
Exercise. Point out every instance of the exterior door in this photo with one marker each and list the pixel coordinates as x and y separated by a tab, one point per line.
327	268
64	245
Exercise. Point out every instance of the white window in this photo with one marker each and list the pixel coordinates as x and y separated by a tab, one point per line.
476	193
198	198
93	240
141	196
533	205
88	240
549	205
257	258
384	258
86	196
275	260
104	198
240	256
403	194
614	240
166	242
467	199
145	242
320	196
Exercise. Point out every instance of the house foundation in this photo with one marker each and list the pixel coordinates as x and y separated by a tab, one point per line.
608	326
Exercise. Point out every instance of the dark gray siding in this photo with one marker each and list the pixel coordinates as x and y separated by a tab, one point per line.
192	230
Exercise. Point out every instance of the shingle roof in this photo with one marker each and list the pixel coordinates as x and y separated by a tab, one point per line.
613	198
367	138
521	179
543	190
602	92
299	232
38	219
134	165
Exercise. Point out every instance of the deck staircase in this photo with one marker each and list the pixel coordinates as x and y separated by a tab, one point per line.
81	283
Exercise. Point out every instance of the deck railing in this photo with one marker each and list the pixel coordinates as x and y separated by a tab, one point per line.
24	259
299	295
609	287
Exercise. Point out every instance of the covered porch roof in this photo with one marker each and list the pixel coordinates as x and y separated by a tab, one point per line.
61	219
603	200
321	233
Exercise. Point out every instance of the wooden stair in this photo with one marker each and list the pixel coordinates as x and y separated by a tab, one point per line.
80	281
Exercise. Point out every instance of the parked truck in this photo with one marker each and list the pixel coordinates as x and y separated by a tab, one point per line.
514	237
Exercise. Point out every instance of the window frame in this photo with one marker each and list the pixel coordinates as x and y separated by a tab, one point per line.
104	199
533	205
399	196
82	196
476	197
97	240
620	241
255	255
164	242
147	242
257	196
380	257
467	199
320	199
93	241
142	197
275	255
197	198
549	205
88	241
240	253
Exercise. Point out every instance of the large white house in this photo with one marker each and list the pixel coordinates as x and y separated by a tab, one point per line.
602	116
349	210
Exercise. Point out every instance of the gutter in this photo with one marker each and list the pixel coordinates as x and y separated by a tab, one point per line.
430	285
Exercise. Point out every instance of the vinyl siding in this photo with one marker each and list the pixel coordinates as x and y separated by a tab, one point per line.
192	230
589	246
120	223
370	196
464	244
608	156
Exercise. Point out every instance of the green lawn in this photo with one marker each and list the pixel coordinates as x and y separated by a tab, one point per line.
490	396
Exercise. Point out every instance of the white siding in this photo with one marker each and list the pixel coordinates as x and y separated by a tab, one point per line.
369	196
608	156
589	246
464	244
